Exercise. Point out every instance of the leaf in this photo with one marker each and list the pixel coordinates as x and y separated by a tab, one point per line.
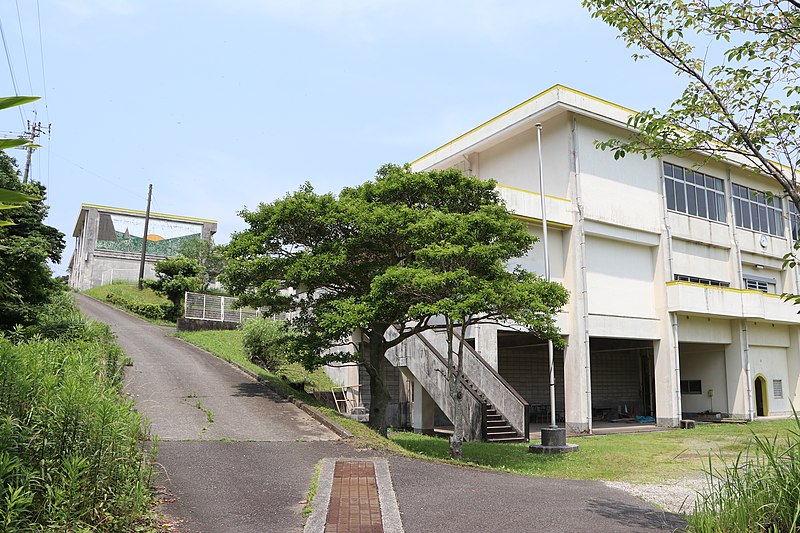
15	197
12	143
13	101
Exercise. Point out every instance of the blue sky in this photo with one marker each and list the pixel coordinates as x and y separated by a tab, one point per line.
222	104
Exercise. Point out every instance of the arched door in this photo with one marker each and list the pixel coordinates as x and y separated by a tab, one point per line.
761	396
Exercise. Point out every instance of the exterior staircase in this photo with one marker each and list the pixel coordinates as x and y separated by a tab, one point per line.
492	410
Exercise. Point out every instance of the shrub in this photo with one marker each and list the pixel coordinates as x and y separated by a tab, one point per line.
267	342
759	491
151	311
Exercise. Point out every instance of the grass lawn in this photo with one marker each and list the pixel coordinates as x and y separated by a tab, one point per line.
126	289
636	457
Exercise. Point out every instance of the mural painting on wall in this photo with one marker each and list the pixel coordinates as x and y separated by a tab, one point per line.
123	233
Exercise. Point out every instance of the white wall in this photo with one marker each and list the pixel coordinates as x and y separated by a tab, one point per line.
771	362
620	278
705	362
695	259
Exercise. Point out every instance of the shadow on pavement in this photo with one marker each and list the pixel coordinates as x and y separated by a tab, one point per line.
631	515
251	389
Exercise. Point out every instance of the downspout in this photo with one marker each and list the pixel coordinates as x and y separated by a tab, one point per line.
748	374
673	315
745	335
583	276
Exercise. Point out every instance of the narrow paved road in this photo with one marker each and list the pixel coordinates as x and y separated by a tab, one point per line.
249	469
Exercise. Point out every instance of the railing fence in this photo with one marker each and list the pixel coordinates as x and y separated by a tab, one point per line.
217	308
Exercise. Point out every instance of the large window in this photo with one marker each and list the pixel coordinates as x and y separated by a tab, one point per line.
757	211
794	218
694	193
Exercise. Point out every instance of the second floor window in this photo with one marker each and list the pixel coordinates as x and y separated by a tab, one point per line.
757	211
694	193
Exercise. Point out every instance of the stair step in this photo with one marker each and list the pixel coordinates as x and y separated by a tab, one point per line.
506	440
496	423
500	429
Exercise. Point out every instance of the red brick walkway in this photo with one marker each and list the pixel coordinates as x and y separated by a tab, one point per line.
354	505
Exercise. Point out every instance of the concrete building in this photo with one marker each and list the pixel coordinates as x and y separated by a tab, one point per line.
108	243
674	268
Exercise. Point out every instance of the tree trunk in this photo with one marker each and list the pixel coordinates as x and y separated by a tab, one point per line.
379	395
457	440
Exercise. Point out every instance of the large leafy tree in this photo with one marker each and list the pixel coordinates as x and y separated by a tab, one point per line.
26	245
174	277
392	253
741	61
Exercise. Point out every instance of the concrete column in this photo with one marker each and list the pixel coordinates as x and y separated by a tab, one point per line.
667	374
422	410
577	378
576	390
736	371
486	343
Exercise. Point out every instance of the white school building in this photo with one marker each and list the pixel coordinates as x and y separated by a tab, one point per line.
674	268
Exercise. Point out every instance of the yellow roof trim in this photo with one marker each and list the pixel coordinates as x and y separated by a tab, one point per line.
526	102
152	214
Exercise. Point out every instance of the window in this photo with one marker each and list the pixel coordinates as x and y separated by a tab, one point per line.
704	281
794	218
757	211
691	386
756	283
777	388
694	193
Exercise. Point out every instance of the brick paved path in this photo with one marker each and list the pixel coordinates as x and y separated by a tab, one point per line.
354	505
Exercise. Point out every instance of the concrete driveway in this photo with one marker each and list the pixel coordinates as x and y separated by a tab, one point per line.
248	466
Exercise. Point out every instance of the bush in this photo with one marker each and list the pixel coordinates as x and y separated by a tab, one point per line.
151	311
267	342
759	491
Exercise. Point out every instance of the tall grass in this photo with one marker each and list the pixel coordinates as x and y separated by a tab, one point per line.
757	491
71	449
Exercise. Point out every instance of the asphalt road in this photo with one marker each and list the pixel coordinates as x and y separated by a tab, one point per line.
250	468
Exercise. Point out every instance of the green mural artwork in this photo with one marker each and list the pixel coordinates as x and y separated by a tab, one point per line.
124	233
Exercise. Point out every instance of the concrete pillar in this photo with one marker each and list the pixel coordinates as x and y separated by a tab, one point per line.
486	343
736	371
667	374
422	410
577	378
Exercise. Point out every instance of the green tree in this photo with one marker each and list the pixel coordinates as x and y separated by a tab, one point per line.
174	277
392	253
26	245
741	61
208	256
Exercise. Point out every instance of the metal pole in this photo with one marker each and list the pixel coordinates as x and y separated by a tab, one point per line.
550	357
144	235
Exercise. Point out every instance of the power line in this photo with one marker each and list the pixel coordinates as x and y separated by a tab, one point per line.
44	78
24	50
11	69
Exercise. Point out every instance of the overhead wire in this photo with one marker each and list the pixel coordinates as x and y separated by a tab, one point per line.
44	89
24	51
11	70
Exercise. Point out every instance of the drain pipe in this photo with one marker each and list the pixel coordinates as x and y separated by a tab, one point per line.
748	373
677	352
583	276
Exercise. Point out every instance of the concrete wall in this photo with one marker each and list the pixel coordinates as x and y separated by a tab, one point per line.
705	362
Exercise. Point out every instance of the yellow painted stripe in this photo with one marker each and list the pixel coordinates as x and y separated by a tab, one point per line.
533	192
152	214
726	289
518	106
550	223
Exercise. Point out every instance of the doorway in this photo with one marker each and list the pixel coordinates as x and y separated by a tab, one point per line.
762	404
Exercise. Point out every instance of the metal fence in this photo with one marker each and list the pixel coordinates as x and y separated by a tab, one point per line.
218	308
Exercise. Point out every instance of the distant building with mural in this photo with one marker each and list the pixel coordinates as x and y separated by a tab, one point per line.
108	243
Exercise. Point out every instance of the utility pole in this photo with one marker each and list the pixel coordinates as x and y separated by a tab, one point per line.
34	130
144	235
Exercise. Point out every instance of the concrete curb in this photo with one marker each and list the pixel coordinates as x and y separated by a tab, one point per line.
390	512
311	411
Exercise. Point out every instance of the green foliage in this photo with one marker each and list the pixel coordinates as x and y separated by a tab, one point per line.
397	250
208	256
174	277
148	310
268	342
25	248
742	62
71	456
758	491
